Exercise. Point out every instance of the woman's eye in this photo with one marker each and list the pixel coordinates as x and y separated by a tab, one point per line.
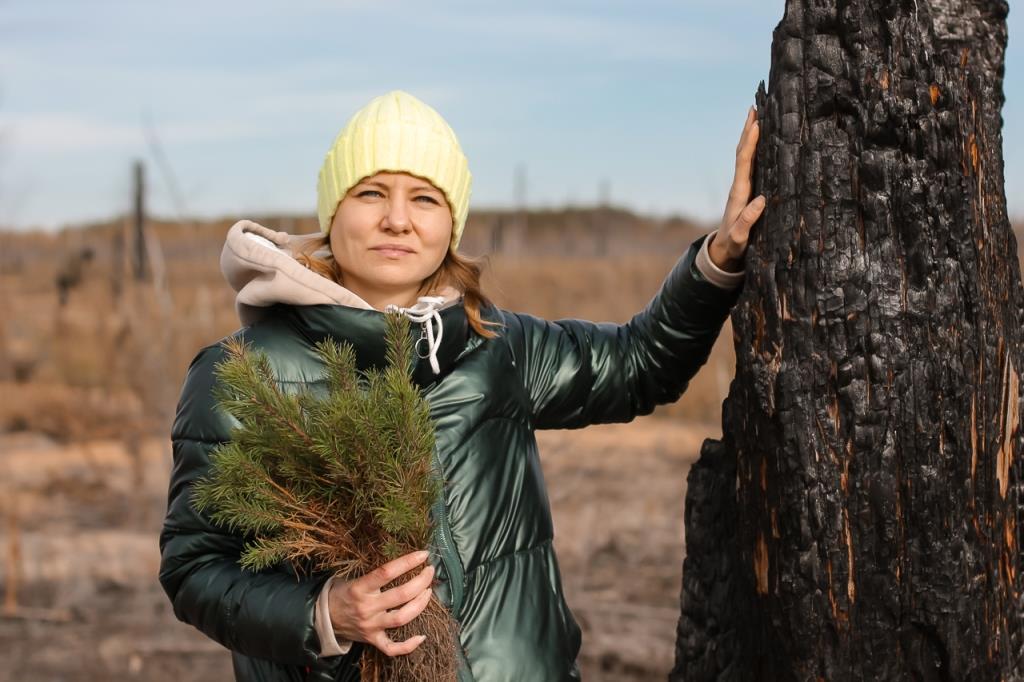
428	199
369	193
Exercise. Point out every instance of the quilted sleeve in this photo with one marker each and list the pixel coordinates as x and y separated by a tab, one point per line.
577	373
265	615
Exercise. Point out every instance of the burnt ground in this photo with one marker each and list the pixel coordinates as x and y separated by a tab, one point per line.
80	528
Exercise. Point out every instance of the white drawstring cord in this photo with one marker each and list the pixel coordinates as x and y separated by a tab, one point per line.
424	312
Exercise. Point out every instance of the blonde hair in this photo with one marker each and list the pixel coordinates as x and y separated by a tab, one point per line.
455	270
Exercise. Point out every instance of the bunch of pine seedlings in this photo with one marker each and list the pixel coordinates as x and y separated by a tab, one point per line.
339	481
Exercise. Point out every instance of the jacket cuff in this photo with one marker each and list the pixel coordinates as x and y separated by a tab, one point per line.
329	644
714	274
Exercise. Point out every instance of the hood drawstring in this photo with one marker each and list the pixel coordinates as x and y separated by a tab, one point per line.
424	312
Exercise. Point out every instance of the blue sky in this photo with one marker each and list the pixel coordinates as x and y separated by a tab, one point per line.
646	97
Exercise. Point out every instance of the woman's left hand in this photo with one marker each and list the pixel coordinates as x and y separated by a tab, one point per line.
730	242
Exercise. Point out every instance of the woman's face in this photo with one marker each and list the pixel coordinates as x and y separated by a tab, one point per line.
390	232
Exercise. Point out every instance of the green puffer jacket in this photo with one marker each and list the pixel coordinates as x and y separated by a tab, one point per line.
495	562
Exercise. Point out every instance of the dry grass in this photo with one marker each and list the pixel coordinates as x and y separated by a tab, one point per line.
88	515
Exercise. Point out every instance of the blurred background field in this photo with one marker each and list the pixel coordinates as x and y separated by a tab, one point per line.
91	361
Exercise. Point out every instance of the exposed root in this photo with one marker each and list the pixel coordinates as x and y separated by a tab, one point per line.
436	660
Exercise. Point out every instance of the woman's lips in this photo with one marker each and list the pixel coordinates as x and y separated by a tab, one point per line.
392	251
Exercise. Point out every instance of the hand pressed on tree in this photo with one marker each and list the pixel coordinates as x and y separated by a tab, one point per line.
730	242
360	612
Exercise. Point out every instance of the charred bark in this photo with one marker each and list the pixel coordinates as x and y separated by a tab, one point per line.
861	518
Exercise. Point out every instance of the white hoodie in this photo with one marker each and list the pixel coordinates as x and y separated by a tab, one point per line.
259	263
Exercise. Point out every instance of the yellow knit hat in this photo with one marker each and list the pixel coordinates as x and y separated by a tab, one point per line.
396	132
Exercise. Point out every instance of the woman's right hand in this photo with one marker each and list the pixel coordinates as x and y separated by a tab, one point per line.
729	244
360	612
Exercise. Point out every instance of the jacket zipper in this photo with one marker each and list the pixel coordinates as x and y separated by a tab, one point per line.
446	546
453	567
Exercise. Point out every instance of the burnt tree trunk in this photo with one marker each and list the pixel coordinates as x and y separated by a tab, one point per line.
860	518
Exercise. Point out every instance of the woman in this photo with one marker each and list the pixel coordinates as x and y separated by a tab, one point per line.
392	201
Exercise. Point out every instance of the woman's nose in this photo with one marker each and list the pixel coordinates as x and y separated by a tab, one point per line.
397	217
